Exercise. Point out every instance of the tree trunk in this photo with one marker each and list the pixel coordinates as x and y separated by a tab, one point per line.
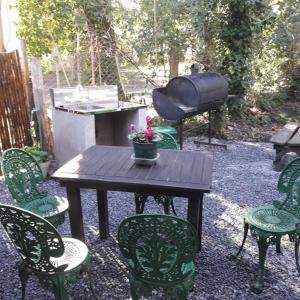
173	62
236	66
98	19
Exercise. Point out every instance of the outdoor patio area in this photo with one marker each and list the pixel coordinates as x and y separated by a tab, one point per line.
242	178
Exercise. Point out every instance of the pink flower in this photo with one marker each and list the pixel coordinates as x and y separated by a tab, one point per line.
149	134
132	127
149	120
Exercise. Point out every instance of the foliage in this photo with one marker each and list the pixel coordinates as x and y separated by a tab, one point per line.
160	30
39	19
99	20
229	31
253	43
38	154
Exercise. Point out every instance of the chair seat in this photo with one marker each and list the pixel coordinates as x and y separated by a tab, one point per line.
271	219
76	252
188	273
47	206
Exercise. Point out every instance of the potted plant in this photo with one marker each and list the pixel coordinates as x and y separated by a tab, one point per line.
144	141
43	158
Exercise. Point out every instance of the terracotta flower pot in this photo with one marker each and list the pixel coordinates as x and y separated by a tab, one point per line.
145	150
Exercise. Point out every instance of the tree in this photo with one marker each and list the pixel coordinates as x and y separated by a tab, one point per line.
99	19
42	21
37	19
159	31
231	30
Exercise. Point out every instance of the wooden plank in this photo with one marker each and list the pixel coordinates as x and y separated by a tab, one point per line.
103	214
117	164
194	215
162	167
4	133
14	120
284	134
112	166
189	175
295	140
18	93
75	213
90	163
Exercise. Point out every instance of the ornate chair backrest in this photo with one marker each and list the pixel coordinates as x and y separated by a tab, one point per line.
34	238
22	174
157	246
167	141
289	183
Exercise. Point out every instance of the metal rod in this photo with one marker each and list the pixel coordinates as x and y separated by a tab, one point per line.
195	127
209	126
210	144
209	135
181	134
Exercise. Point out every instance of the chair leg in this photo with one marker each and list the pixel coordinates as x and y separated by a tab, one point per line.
246	229
297	255
173	208
178	293
278	246
140	201
167	202
138	289
24	278
166	206
182	295
257	288
135	290
134	293
91	283
59	289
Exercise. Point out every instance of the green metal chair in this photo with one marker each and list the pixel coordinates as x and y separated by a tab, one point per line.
160	250
22	175
268	224
54	260
167	142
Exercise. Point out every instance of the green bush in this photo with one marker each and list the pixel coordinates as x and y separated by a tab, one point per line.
38	154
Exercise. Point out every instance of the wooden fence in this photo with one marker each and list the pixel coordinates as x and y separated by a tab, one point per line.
14	110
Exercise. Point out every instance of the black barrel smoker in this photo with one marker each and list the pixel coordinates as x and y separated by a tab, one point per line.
186	96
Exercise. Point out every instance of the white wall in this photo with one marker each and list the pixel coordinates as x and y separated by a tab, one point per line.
9	18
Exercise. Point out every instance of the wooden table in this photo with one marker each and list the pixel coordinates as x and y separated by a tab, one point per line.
287	139
176	173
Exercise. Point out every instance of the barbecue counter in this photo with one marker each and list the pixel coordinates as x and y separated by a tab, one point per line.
91	116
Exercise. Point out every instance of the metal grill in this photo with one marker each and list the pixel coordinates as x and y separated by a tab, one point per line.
187	96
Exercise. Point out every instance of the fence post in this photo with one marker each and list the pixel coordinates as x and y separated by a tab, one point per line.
41	105
26	75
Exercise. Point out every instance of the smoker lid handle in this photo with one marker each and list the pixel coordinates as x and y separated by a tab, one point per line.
194	69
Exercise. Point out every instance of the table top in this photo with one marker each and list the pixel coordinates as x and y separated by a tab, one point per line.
113	168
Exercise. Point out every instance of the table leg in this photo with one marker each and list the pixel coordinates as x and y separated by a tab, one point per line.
194	215
75	213
103	214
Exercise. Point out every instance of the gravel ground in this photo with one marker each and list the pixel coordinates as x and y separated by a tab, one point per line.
243	178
